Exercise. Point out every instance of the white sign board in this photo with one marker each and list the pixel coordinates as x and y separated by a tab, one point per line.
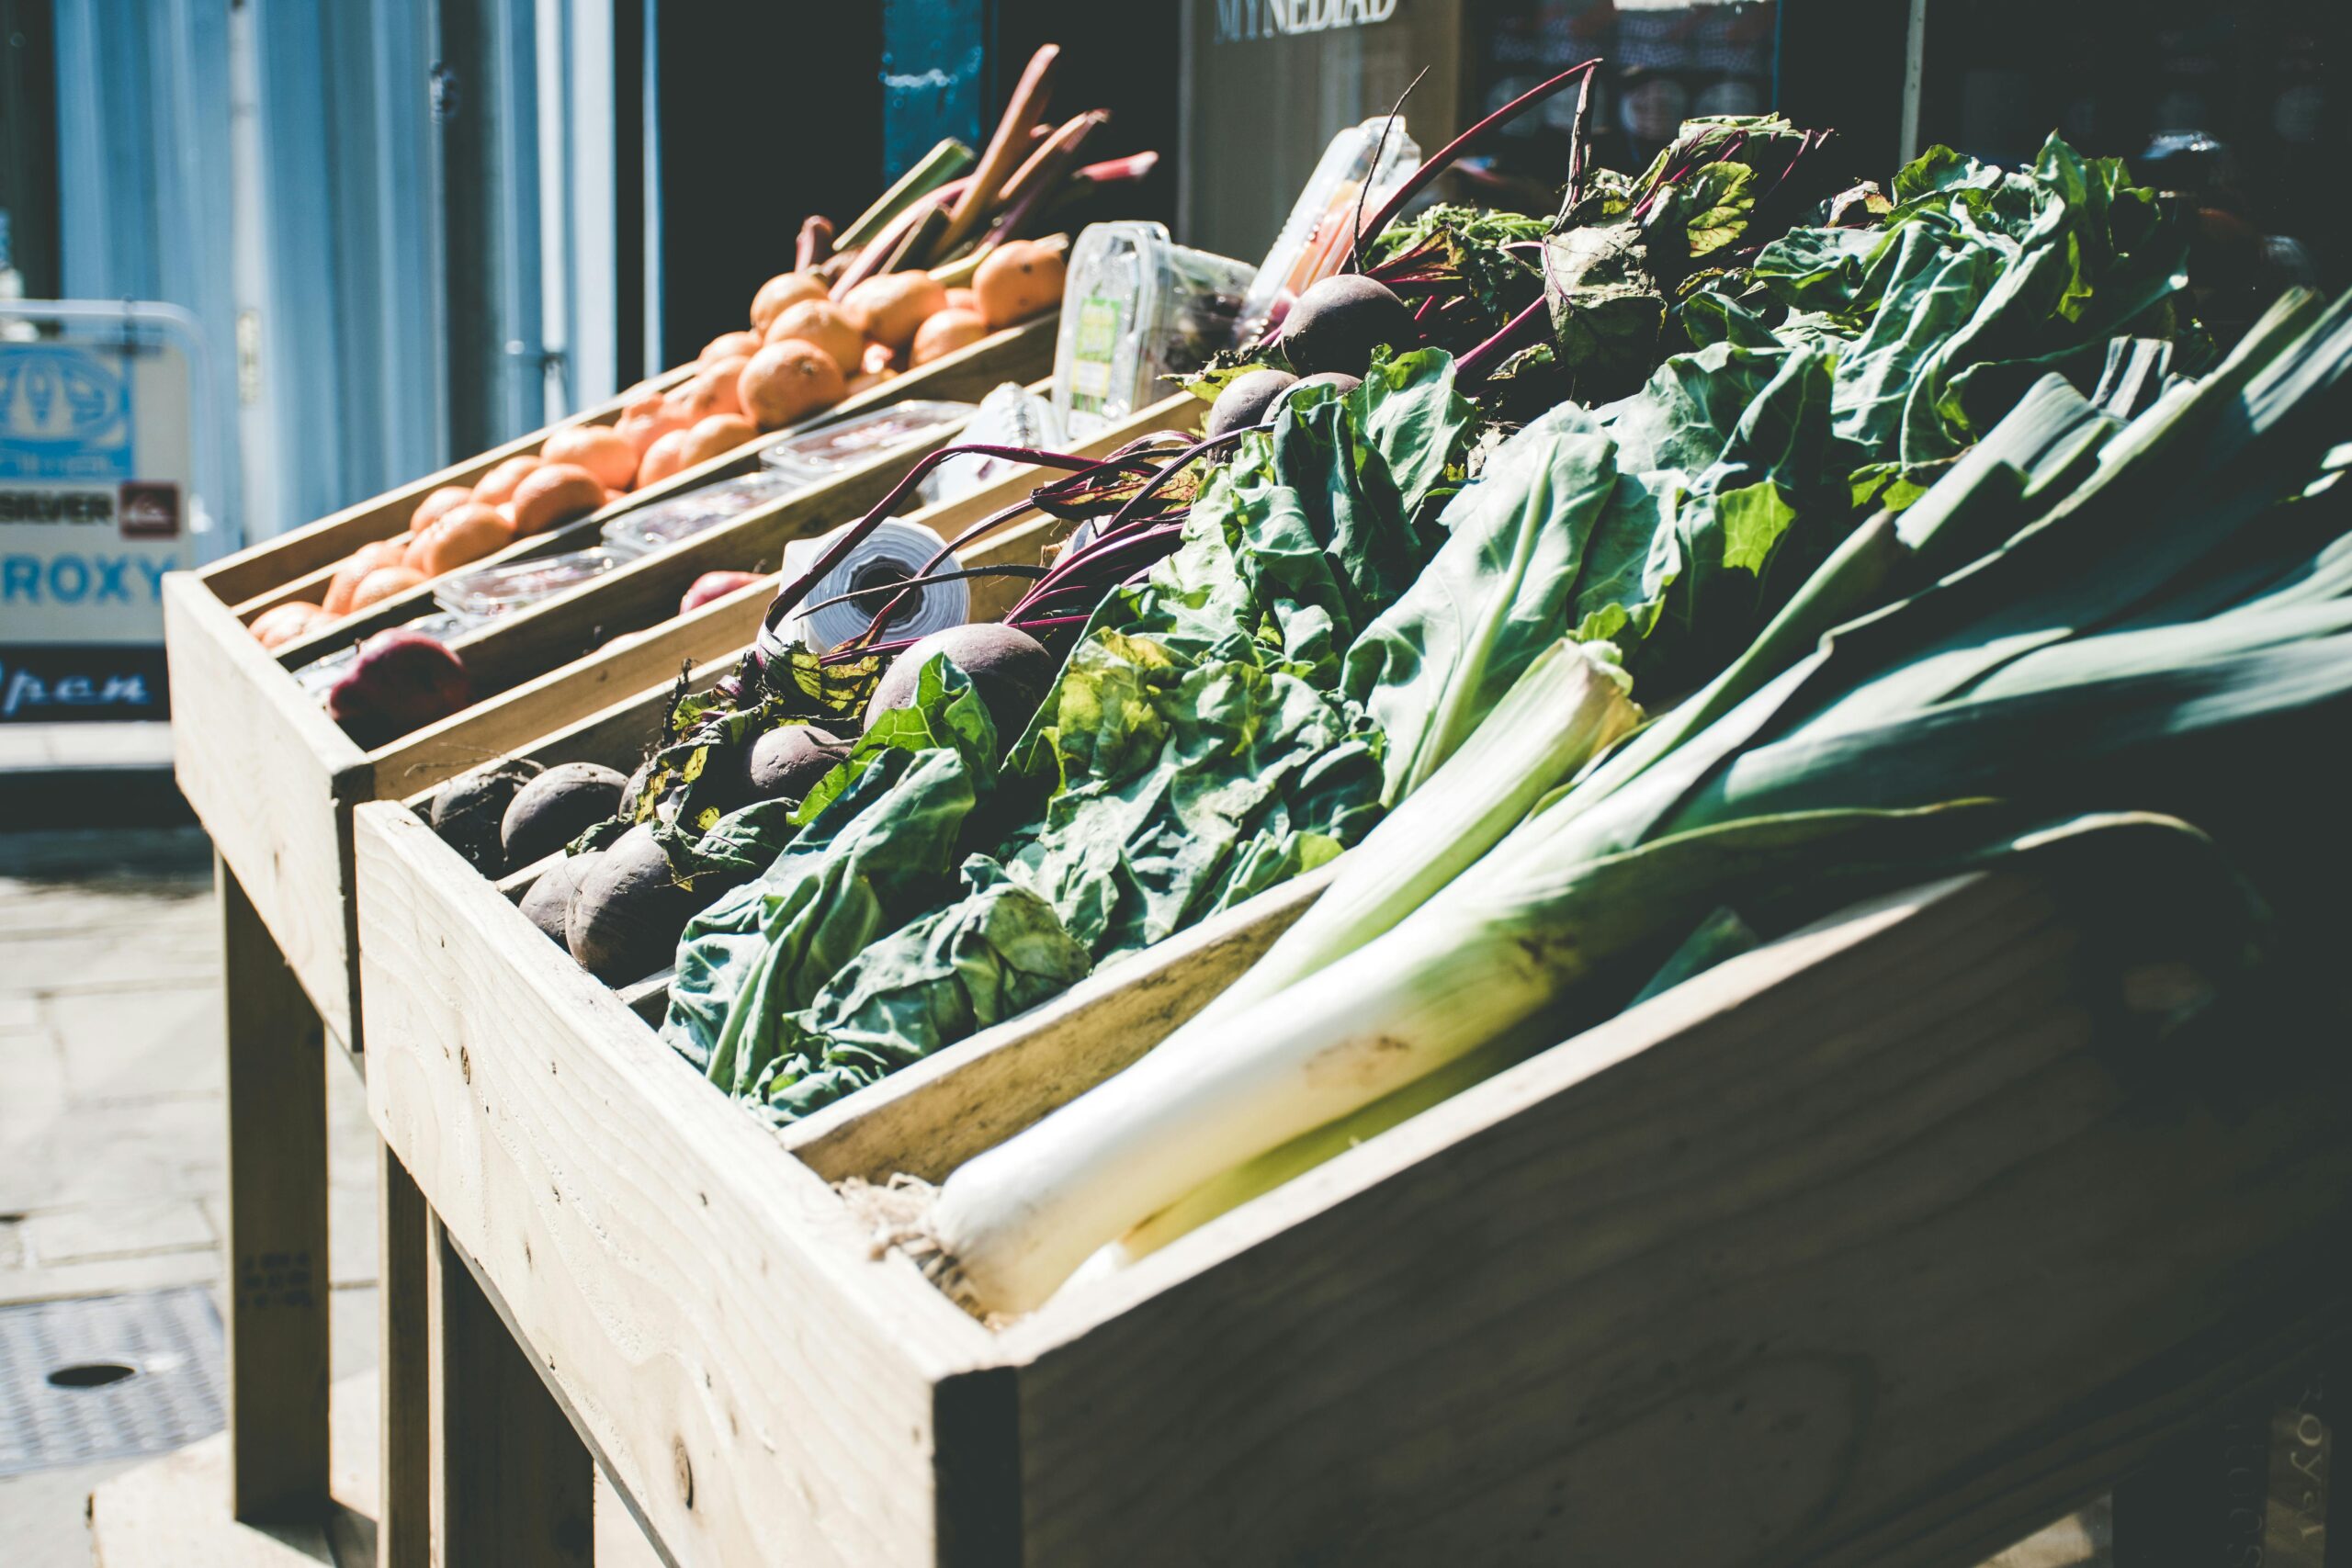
95	465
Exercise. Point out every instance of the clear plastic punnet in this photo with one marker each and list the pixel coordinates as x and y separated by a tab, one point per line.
1313	243
681	518
818	455
1136	307
518	585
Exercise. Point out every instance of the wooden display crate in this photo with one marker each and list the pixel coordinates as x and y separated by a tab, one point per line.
274	780
1883	1244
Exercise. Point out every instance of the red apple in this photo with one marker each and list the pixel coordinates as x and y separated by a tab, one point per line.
715	585
401	681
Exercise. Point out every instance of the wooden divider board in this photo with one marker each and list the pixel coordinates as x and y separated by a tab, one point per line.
1877	1245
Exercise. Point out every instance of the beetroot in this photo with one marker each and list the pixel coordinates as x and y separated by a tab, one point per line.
403	681
556	808
467	812
547	904
1009	669
1340	321
713	585
628	912
1340	379
787	763
1246	399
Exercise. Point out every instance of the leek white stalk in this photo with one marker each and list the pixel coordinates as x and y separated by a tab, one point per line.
1564	709
1012	1225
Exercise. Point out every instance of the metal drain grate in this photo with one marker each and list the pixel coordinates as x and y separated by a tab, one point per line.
107	1377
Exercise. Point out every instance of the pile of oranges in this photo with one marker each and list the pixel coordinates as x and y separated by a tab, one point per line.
804	351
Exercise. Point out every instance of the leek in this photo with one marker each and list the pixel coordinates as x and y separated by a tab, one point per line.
1569	705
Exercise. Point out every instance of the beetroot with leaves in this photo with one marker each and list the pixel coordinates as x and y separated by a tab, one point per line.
1010	670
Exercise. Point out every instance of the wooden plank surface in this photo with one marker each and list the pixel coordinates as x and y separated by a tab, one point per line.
756	1382
404	1369
1882	1245
267	773
277	1244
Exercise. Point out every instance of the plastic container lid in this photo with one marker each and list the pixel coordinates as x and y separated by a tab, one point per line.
1313	243
817	455
1010	415
1136	308
682	516
498	589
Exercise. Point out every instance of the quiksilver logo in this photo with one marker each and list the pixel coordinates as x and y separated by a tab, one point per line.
1238	21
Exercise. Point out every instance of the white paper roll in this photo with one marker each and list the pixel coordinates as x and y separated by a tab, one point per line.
895	551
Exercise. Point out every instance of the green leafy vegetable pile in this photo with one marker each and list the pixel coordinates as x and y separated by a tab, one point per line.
1359	586
1195	750
1845	373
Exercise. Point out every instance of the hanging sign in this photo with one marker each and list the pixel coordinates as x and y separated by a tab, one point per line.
95	489
1238	21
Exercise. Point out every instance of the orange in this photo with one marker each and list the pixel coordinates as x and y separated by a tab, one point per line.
498	485
664	458
434	505
726	345
789	380
282	624
382	583
783	289
716	436
1020	278
599	448
945	332
365	559
554	494
464	536
820	321
889	308
711	391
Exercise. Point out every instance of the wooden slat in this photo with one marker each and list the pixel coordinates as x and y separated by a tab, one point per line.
759	1386
512	1486
1883	1245
267	773
404	1369
277	1225
1019	352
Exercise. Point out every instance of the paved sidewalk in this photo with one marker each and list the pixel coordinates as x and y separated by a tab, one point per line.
111	1118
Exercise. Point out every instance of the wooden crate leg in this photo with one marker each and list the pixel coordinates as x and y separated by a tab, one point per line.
277	1224
404	1521
511	1481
